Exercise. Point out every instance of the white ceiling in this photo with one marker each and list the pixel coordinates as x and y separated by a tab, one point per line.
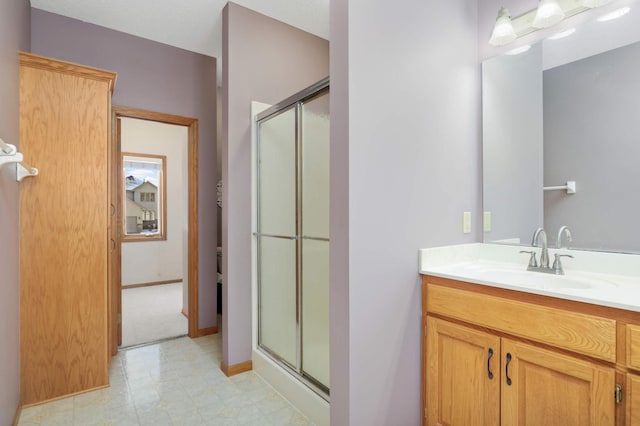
194	25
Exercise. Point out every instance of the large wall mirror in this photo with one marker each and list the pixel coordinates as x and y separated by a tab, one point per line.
567	109
144	181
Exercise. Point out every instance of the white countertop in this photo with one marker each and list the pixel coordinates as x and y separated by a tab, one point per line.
607	279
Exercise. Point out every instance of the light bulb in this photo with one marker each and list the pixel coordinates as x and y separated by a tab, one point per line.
503	32
549	13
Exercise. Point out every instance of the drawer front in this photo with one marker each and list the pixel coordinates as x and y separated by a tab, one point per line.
633	346
585	334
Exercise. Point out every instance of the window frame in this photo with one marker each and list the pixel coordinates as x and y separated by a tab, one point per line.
161	215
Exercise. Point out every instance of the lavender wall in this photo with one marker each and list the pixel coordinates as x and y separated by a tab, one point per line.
408	166
156	77
14	33
512	144
591	134
339	299
264	60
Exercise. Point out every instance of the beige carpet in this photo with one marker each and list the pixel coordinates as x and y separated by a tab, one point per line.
152	313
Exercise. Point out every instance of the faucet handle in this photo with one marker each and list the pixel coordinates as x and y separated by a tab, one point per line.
533	263
557	264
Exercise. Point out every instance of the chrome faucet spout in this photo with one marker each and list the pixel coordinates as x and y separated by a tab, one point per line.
544	253
564	230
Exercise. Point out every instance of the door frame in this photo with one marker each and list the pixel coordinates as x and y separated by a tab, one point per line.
115	283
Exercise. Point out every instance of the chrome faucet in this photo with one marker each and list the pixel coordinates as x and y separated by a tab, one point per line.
564	230
544	252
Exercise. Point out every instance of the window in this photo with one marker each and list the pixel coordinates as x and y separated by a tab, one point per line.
144	197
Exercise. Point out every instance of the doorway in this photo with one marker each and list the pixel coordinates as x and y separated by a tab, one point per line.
144	262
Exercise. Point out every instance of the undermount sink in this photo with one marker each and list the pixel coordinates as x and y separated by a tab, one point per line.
515	276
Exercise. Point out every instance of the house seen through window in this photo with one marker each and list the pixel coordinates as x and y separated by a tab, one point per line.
144	196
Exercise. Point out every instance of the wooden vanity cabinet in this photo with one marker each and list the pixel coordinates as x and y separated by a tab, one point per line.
633	403
545	388
463	386
488	360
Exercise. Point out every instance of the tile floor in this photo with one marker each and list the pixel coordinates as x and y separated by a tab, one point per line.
176	382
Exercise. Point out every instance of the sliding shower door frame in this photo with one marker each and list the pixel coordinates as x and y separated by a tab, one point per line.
296	101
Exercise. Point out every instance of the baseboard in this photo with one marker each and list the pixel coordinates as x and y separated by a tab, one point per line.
149	284
232	370
186	315
57	398
17	416
207	331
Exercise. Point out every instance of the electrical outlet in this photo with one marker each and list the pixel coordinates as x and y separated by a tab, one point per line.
466	222
486	221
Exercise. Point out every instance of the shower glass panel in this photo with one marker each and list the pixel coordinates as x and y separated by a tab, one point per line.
277	246
315	238
278	297
293	235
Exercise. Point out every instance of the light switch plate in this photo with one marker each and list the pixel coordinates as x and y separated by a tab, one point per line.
466	222
486	221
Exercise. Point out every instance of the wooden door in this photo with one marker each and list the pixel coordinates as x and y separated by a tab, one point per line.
633	400
64	216
463	375
115	248
545	388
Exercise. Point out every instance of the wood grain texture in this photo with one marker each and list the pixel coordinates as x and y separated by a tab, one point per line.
69	68
620	315
458	389
582	333
633	346
64	216
232	370
633	400
551	389
113	271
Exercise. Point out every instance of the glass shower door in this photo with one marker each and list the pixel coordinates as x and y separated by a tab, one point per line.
315	238
277	237
293	236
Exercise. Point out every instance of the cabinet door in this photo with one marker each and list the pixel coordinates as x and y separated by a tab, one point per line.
463	375
633	400
546	388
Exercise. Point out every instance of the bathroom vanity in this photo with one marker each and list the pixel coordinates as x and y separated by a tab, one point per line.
502	345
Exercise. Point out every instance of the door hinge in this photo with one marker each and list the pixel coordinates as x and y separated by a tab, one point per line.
617	393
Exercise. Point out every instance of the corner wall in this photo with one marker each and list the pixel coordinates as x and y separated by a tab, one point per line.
156	77
405	166
267	61
15	35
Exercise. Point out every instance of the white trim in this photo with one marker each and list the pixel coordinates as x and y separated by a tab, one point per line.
299	395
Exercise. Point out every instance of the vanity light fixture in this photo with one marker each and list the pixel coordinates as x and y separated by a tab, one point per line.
619	13
549	13
562	34
503	32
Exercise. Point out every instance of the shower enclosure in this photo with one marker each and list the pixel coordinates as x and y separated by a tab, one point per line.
292	235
